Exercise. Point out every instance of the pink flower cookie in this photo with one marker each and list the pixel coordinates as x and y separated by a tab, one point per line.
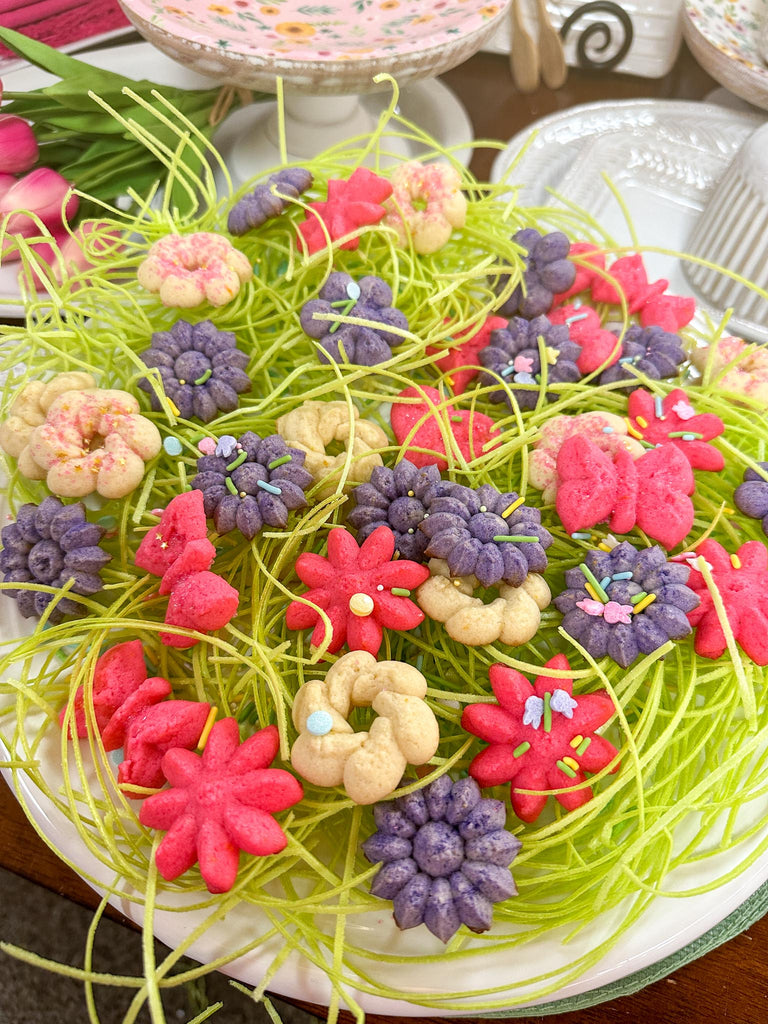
426	205
748	374
94	440
606	431
187	270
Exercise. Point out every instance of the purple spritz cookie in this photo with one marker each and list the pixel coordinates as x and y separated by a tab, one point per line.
52	543
262	204
369	299
548	271
444	855
639	601
486	534
751	497
250	482
651	350
514	354
201	367
399	498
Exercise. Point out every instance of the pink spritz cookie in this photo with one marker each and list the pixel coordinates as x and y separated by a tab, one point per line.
187	270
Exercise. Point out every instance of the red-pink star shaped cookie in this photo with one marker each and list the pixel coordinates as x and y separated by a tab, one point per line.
471	342
742	580
350	205
219	804
540	737
361	590
673	420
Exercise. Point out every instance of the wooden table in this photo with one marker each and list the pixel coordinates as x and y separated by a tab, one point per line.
730	985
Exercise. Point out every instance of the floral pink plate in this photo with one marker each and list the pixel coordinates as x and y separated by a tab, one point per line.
725	38
334	46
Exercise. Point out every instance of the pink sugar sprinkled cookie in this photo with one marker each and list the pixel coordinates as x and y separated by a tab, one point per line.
187	270
421	424
426	206
219	804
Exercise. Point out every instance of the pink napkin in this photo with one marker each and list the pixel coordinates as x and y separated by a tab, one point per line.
60	22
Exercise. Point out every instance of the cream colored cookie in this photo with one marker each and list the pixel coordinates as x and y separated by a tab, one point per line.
368	764
313	426
513	618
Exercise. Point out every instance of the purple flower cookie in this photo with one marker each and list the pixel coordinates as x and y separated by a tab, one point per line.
444	855
250	482
514	354
650	350
399	498
641	602
52	543
201	368
751	497
262	204
370	299
547	271
484	533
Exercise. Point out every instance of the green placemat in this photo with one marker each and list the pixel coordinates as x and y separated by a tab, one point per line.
750	911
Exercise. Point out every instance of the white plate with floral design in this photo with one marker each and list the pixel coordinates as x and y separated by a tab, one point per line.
725	38
327	48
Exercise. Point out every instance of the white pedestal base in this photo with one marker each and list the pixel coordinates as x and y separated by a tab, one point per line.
249	139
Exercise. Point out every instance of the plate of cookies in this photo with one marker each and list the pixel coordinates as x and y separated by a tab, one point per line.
383	591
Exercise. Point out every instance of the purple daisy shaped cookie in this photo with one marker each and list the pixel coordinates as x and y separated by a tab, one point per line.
514	354
52	543
547	271
259	206
650	350
444	855
486	534
751	497
201	368
626	602
369	299
250	482
399	498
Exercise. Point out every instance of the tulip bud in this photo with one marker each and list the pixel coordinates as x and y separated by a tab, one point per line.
6	181
86	243
18	146
42	192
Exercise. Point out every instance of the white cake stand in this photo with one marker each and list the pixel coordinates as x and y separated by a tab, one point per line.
327	55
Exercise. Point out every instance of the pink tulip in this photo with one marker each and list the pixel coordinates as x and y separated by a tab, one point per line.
18	146
87	241
6	181
42	192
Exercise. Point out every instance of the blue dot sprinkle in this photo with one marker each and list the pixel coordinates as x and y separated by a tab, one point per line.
353	290
320	723
172	445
